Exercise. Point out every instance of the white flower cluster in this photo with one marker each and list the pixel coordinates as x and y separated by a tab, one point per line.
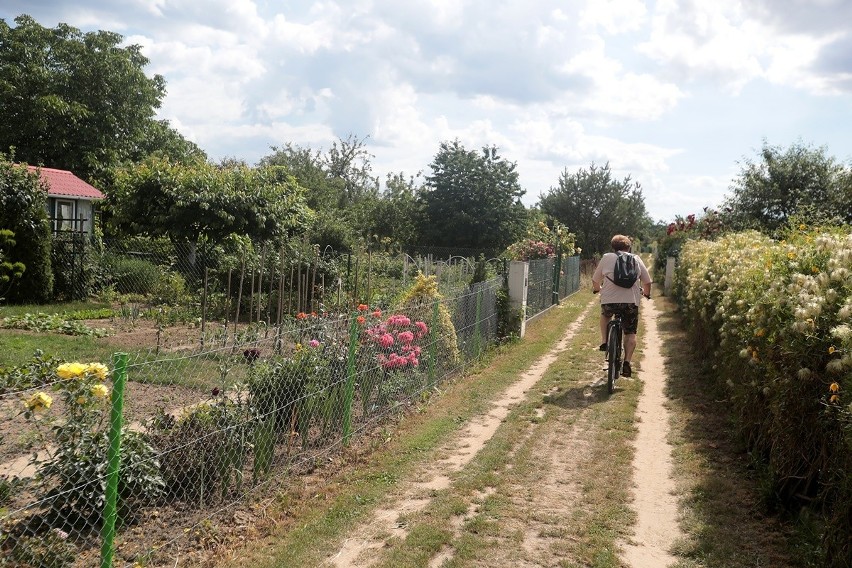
776	311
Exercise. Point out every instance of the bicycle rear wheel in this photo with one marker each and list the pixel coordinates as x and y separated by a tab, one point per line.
613	356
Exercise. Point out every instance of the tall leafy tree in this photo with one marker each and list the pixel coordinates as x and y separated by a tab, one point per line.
74	100
797	181
594	206
471	200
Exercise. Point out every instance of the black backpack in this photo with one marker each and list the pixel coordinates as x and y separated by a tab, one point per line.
626	270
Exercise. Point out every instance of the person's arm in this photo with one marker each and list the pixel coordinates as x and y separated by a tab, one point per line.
644	278
597	278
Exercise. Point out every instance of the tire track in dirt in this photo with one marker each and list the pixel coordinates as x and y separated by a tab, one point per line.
654	500
358	550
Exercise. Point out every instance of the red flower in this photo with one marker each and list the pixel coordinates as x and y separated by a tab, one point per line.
361	320
301	316
363	307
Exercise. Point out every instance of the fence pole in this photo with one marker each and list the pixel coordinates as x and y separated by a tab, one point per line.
477	332
204	305
433	345
113	460
557	268
349	395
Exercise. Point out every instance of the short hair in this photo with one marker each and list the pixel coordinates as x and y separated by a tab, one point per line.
620	243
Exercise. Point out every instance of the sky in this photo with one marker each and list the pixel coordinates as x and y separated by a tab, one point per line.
676	94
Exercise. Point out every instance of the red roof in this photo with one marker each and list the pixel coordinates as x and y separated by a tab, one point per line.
66	184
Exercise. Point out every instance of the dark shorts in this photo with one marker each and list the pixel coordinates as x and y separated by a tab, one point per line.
629	315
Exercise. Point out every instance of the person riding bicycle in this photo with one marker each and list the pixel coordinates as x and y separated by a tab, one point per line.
618	300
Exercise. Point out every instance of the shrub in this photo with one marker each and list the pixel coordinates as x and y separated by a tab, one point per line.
419	302
23	199
76	445
129	275
775	318
203	452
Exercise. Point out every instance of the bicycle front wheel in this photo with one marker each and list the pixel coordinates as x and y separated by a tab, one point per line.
613	356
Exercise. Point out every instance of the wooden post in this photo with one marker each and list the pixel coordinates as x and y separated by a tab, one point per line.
239	298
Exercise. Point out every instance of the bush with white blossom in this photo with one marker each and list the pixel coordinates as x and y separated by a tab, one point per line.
775	317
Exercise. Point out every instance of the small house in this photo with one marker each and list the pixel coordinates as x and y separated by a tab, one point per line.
70	201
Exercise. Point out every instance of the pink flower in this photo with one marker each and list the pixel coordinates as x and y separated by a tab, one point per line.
398	320
406	337
386	340
314	343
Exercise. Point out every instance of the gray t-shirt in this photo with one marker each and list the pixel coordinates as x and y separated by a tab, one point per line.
610	292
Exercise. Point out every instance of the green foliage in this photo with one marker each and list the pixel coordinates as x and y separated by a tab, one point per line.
298	390
72	100
23	199
774	316
76	446
471	200
419	303
202	202
9	270
129	275
799	180
36	373
543	241
203	452
709	226
50	322
595	206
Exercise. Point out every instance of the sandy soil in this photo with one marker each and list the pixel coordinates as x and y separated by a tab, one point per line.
553	493
654	499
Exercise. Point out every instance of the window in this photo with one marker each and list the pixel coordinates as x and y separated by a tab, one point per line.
64	215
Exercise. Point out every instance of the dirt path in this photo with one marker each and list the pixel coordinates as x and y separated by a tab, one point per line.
544	499
385	523
654	499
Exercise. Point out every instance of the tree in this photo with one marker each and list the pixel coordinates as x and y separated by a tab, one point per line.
394	217
595	206
72	100
800	181
204	202
471	200
23	198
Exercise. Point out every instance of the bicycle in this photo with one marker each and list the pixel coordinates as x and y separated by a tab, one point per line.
614	351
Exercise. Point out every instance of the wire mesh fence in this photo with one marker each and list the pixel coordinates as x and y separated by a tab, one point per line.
242	372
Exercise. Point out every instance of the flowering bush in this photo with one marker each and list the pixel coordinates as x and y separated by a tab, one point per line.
775	316
72	463
542	242
398	341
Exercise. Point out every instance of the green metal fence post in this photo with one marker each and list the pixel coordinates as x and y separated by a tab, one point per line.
434	343
113	459
349	394
557	268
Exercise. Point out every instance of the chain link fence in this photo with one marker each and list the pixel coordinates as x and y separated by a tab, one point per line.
243	371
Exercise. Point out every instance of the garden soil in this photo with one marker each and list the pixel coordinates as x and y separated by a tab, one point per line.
555	491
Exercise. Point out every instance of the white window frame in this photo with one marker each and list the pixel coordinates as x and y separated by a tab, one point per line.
62	223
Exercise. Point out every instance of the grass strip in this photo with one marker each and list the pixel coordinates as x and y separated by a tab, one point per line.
724	512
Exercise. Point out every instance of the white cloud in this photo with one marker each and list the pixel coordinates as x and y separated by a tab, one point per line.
722	42
618	93
614	16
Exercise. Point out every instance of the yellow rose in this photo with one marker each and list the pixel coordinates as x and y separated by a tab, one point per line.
98	370
100	391
38	402
71	370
